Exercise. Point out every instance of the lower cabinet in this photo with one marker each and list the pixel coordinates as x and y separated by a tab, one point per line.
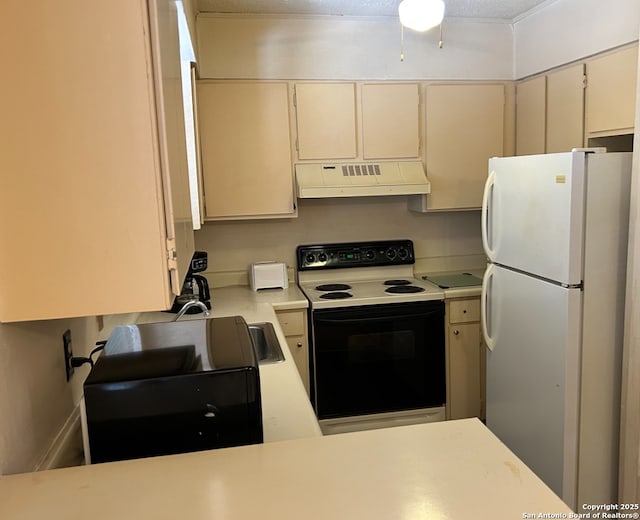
294	326
465	359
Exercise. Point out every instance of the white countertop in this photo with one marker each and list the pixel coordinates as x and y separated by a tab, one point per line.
437	471
458	292
286	410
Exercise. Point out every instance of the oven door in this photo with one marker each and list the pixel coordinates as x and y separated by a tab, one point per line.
379	358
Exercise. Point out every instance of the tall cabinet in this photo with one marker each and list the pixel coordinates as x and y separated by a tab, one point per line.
95	216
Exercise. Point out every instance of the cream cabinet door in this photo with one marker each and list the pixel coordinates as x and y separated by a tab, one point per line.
465	399
326	120
390	120
530	116
465	360
565	109
299	348
246	149
172	137
87	138
464	128
611	93
294	326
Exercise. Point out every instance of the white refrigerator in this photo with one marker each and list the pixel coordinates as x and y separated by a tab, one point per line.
554	229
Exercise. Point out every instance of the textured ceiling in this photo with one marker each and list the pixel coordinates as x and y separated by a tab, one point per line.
491	9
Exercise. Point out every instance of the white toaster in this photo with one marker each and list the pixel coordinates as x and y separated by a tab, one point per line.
268	275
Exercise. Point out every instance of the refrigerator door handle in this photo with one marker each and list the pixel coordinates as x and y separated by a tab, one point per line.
487	214
485	310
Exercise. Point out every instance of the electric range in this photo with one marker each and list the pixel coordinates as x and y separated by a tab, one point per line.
377	355
361	273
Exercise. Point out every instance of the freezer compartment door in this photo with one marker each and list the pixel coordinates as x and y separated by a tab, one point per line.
533	373
532	216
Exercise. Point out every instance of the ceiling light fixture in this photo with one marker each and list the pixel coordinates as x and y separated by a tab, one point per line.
421	15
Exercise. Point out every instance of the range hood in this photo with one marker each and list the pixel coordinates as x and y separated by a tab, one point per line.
361	179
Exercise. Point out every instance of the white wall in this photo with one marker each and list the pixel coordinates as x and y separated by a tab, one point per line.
232	246
568	30
331	47
35	398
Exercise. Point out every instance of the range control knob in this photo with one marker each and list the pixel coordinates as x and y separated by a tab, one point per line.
391	253
403	253
369	254
310	258
322	257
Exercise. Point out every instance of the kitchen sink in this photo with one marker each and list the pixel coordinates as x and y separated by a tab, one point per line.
265	343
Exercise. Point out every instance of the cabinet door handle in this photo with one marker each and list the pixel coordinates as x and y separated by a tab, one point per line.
299	344
456	332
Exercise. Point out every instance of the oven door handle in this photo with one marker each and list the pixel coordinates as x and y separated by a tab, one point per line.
369	319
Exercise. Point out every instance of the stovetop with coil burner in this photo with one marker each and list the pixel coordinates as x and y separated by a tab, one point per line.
361	273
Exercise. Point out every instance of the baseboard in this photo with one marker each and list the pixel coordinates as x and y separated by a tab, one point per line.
66	448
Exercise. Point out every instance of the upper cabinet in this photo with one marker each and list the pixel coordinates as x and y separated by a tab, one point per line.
326	120
464	128
246	149
611	93
531	116
390	121
95	216
555	112
565	109
550	112
348	121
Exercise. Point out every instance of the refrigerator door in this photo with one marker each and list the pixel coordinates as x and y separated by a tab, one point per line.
532	215
533	373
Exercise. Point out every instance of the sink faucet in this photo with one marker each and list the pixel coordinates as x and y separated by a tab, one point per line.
188	305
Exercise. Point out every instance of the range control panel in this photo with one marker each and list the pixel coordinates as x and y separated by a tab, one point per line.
355	254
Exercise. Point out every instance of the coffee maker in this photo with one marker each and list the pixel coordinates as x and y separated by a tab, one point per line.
195	286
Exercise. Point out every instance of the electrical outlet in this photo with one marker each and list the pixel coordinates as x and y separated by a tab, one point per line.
68	353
